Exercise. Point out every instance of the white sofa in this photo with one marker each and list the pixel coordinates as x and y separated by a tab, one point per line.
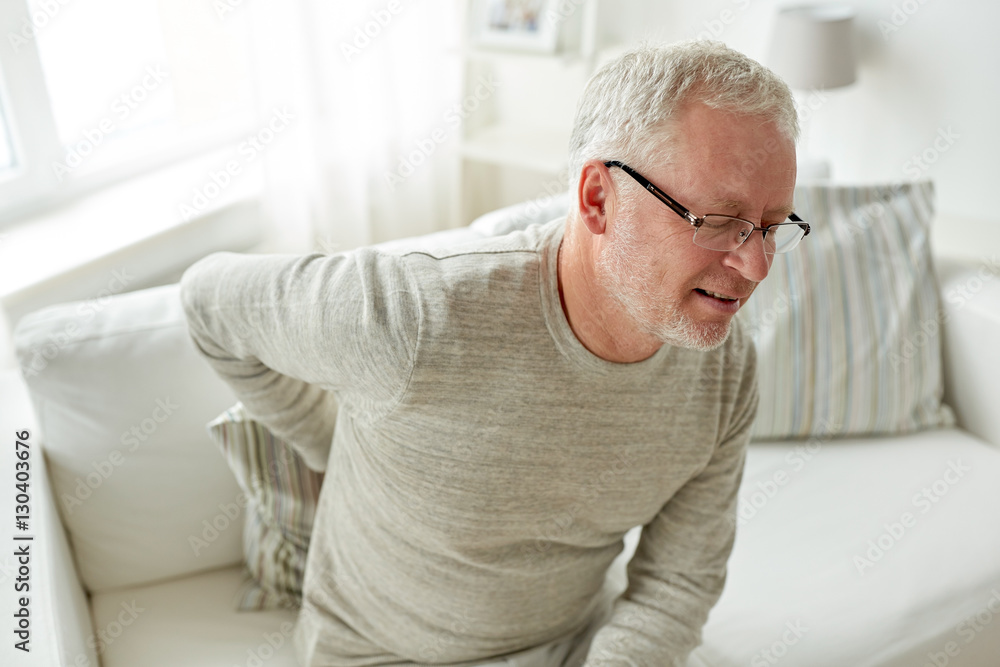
138	519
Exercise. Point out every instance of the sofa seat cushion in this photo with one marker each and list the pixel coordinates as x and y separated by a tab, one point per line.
190	621
842	558
801	573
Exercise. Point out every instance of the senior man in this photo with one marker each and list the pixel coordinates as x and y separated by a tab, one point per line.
506	410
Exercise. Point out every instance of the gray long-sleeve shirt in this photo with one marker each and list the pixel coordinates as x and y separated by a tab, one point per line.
484	465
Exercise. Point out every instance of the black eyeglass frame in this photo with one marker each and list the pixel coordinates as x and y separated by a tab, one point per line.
697	222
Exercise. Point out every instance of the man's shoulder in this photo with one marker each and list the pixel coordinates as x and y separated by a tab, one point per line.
460	258
473	281
526	241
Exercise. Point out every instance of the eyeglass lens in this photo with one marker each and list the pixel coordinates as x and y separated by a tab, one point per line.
719	232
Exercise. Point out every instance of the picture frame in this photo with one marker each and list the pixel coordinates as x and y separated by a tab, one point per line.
516	25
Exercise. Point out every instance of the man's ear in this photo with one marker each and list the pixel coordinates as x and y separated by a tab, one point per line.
595	195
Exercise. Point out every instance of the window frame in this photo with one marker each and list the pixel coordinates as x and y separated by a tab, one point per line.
28	113
31	185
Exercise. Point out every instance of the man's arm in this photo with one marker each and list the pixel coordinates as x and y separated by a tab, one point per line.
679	568
286	332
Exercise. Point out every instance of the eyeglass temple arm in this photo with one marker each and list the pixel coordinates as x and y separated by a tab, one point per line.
655	191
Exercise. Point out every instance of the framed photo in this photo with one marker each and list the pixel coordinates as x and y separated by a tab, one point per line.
520	25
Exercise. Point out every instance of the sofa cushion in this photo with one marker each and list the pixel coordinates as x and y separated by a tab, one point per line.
847	325
282	493
189	621
971	292
797	542
876	550
122	398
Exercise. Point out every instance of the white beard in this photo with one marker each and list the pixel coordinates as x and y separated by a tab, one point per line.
623	270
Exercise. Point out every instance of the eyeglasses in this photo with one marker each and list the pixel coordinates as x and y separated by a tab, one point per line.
723	232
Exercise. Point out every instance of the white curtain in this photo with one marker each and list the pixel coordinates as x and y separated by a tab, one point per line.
372	154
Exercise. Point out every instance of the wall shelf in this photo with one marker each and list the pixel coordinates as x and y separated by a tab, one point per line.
519	146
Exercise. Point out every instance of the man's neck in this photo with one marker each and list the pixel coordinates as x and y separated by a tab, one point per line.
596	318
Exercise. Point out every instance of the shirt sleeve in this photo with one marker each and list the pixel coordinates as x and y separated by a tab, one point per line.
679	568
298	337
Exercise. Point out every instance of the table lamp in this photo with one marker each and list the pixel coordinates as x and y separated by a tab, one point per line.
812	49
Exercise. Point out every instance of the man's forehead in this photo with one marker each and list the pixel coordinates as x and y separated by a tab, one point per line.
726	162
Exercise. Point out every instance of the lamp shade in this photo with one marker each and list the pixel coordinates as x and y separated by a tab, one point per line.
813	46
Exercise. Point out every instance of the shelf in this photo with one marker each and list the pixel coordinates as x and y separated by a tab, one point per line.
536	149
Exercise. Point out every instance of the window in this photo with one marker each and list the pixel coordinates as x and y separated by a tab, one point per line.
96	92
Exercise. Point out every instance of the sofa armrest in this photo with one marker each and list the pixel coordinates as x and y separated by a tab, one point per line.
59	612
970	294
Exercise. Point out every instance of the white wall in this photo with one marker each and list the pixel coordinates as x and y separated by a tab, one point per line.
936	71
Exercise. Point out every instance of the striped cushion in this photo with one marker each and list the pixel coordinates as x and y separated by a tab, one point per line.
848	325
282	494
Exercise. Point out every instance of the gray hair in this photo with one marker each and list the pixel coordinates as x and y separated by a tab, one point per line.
626	109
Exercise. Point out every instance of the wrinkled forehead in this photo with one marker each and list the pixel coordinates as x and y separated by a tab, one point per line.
725	159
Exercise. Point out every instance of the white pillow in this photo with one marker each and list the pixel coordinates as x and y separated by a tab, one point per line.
122	398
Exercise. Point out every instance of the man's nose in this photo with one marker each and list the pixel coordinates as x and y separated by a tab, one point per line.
750	259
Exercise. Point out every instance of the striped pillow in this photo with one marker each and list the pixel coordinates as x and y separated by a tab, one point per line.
848	325
282	494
